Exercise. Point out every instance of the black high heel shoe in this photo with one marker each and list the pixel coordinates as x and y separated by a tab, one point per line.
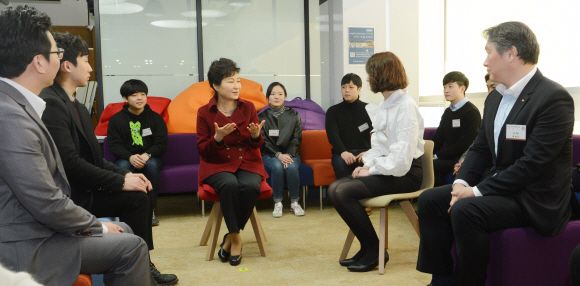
358	267
348	262
236	259
222	254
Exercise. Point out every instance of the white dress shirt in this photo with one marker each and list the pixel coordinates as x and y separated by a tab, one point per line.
509	97
397	135
37	103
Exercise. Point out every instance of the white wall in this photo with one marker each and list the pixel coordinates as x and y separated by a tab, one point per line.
368	13
336	18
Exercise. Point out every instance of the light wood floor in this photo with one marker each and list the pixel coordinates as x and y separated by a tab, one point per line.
301	250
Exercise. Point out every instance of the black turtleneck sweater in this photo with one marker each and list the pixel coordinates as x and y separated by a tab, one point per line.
123	143
342	126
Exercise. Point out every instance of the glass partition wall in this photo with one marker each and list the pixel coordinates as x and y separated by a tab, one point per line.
150	40
157	41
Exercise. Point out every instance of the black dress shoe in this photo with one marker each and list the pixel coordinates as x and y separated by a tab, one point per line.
236	259
162	279
348	262
222	254
358	267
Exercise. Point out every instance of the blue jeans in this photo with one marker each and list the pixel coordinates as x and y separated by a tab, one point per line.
151	171
277	177
341	169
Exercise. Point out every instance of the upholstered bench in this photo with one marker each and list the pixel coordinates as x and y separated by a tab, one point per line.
521	256
180	163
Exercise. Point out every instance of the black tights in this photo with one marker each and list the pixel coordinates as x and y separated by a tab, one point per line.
345	195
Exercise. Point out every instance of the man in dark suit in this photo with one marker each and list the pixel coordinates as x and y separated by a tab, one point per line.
42	231
526	135
97	185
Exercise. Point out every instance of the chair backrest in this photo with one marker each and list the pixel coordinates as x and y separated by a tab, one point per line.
315	145
427	160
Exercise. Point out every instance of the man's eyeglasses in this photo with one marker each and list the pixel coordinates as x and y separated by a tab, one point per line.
59	53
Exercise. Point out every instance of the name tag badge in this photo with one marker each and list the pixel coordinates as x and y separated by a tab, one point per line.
455	123
363	127
515	132
147	132
273	132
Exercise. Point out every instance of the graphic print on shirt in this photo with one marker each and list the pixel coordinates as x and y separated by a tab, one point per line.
135	128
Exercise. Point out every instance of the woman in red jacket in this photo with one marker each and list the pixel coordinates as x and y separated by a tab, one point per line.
228	140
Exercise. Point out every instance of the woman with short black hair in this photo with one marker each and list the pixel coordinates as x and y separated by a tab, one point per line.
228	141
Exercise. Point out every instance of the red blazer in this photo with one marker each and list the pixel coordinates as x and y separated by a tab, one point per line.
238	151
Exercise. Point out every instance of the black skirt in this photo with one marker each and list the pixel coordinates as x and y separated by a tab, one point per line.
380	185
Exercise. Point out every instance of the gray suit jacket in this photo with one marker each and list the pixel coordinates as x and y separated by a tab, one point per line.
40	226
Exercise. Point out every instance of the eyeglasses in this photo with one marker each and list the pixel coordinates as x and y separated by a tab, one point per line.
59	53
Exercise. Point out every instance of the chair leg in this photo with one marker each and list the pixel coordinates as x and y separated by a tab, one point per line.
260	238
347	244
260	224
383	238
320	197
207	230
411	215
202	208
304	197
217	223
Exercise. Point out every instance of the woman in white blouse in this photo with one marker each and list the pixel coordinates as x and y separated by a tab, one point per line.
392	165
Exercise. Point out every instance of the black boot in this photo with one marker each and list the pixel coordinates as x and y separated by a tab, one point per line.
162	279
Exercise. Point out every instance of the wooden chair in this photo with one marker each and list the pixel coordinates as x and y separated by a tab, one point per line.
214	221
384	201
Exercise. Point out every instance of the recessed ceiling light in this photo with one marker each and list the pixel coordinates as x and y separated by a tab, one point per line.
240	4
120	8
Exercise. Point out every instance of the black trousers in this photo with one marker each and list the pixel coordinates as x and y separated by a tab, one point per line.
238	194
441	168
345	194
469	222
133	208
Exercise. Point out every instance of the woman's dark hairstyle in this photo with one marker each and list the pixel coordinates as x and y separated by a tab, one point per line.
220	69
22	37
517	34
73	46
347	78
133	86
457	77
272	85
386	72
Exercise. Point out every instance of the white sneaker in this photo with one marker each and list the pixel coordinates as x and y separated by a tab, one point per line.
296	209
277	210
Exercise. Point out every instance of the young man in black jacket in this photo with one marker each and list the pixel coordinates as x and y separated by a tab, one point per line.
100	187
137	136
458	126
